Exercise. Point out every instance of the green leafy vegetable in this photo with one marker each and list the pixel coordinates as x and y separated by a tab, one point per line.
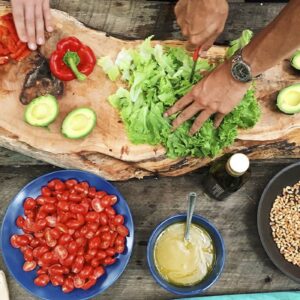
157	77
239	43
109	68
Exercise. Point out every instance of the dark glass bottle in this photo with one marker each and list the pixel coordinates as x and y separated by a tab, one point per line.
226	175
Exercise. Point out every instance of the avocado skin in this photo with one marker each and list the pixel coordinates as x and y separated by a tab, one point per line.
282	97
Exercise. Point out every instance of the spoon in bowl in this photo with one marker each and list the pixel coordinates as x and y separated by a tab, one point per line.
192	197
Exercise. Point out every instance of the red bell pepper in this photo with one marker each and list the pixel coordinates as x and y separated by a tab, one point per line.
72	59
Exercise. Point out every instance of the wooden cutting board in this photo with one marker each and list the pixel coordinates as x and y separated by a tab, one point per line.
107	151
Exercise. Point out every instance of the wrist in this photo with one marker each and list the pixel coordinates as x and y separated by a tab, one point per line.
250	58
227	66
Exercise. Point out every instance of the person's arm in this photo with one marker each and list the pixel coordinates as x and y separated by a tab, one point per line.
31	18
219	93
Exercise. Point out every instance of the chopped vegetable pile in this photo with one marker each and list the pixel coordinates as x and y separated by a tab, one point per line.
156	78
10	45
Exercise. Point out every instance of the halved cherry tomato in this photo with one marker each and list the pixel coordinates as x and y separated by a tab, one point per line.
122	230
20	222
86	272
57	280
109	260
29	266
78	282
68	285
42	280
118	220
78	264
61	252
70	183
91	282
98	272
29	203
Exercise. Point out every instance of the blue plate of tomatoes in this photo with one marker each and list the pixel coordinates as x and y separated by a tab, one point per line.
67	235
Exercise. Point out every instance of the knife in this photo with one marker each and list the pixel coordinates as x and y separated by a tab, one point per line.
195	59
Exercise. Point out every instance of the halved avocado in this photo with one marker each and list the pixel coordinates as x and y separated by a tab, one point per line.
295	60
79	123
41	111
288	100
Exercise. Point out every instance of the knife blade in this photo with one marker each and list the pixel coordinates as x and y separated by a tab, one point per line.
195	59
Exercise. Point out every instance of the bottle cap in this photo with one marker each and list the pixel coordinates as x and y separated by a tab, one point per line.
239	163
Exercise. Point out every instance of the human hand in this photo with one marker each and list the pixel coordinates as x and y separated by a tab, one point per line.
218	94
201	21
31	18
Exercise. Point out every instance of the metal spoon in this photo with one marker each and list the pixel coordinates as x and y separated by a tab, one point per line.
191	205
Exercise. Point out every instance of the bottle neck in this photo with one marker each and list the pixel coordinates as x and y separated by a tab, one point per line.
231	172
237	165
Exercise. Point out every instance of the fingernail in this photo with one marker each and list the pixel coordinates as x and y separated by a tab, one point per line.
40	41
32	46
165	114
49	28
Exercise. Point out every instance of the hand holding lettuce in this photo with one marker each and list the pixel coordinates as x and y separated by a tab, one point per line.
156	78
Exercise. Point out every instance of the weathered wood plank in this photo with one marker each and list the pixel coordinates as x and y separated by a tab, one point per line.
151	201
138	19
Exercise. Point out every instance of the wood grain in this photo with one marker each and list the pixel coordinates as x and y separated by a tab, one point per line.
107	151
247	267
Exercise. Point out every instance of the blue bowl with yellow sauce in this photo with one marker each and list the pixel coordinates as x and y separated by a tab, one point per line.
216	267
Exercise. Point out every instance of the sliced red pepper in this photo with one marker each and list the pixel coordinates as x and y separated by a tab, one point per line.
72	59
3	50
23	55
23	47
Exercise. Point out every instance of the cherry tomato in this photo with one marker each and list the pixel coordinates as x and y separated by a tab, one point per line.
40	200
101	254
40	271
113	199
51	184
41	224
86	204
104	245
65	196
92	192
47	258
50	241
22	240
78	264
104	228
57	280
65	239
106	236
42	280
109	260
29	266
103	218
61	252
105	201
81	241
59	185
73	224
62	227
95	262
100	194
110	251
29	204
70	183
56	269
110	211
118	220
90	234
122	230
96	205
51	221
98	272
55	233
86	272
73	247
92	217
120	248
120	240
63	205
90	254
93	226
113	238
49	208
34	243
28	254
94	243
91	282
80	218
50	200
46	191
75	198
77	208
41	215
78	282
68	261
20	222
68	285
14	242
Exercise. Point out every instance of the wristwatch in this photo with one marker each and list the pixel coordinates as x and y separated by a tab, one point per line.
240	70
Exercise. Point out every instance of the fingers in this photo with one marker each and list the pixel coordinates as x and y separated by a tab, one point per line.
218	119
186	115
47	16
39	24
19	19
30	25
179	105
203	116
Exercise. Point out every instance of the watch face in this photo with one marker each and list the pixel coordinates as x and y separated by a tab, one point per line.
241	72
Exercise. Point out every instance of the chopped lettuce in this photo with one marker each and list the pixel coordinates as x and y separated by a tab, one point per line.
239	43
109	68
156	78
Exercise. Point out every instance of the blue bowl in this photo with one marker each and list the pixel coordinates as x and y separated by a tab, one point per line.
213	275
14	259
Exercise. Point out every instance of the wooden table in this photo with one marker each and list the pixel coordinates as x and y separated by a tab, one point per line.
247	269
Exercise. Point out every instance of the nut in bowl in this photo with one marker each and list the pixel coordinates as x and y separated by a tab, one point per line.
64	248
181	275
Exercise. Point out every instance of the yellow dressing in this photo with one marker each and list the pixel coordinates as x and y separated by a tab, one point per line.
183	263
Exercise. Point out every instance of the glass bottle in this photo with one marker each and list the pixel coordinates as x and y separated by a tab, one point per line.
227	175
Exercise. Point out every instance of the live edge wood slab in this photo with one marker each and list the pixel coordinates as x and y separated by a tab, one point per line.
107	151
